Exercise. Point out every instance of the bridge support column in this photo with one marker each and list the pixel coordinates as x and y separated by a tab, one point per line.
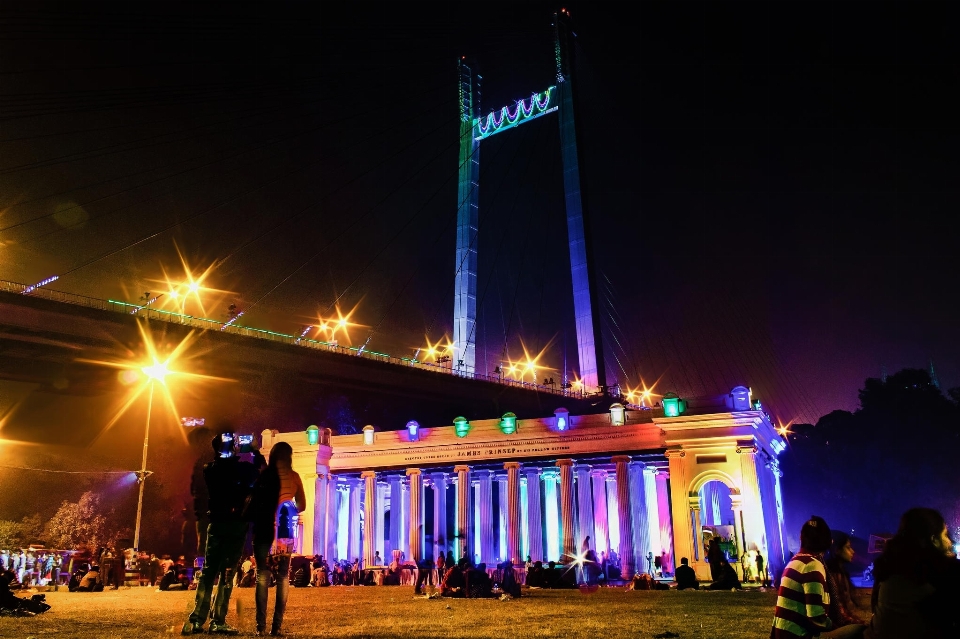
463	536
369	516
623	511
568	547
600	522
513	513
416	514
534	525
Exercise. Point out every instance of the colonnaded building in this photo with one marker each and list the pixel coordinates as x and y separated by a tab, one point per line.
639	482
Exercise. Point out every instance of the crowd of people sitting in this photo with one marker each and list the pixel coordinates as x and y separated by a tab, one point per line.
86	571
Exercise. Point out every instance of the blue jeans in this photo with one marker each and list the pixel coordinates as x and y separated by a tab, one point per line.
224	545
261	550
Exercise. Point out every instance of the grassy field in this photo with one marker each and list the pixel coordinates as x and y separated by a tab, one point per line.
348	612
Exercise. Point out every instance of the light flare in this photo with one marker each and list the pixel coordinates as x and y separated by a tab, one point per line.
156	371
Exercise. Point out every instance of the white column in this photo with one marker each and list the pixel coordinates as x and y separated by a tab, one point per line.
600	523
500	547
353	523
613	517
463	547
551	515
320	517
380	512
534	526
439	481
369	516
405	519
567	519
653	515
666	520
485	506
524	518
333	518
396	514
585	524
639	521
513	513
416	514
627	565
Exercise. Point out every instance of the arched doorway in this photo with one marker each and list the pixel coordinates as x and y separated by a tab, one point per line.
718	535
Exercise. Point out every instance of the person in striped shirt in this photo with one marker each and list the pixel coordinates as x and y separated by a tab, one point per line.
804	599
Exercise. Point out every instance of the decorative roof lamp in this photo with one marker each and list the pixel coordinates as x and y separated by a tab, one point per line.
413	430
741	398
368	435
618	414
313	435
561	419
461	426
672	405
508	424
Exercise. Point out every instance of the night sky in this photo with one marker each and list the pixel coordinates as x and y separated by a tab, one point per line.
772	186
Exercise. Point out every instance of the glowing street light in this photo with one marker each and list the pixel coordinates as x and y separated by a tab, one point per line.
152	373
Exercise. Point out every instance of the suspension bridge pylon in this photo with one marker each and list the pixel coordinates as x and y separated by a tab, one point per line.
563	99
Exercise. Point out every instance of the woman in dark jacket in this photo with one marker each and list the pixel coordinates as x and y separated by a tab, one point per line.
917	581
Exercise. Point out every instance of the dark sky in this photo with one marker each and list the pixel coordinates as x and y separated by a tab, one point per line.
772	185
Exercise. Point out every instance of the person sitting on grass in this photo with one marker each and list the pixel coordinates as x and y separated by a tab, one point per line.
843	610
454	582
726	577
803	599
686	577
917	581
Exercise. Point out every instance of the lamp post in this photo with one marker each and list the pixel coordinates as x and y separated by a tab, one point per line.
156	372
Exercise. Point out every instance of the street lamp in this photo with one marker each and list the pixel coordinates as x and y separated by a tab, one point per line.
156	373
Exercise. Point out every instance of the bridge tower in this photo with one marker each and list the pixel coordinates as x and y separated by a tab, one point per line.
468	194
562	98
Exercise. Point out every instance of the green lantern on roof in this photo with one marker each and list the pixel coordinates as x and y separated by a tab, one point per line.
461	426
672	405
508	424
313	435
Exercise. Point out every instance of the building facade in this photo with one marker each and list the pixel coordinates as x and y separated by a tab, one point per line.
633	481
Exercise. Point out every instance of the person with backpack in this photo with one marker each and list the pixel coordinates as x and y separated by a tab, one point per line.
277	485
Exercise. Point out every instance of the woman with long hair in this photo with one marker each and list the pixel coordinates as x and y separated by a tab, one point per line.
278	485
917	581
843	610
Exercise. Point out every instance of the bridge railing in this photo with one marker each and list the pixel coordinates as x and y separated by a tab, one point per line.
147	312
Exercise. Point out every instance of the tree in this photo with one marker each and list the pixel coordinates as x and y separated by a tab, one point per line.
80	523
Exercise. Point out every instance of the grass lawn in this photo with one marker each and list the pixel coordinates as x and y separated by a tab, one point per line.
346	612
